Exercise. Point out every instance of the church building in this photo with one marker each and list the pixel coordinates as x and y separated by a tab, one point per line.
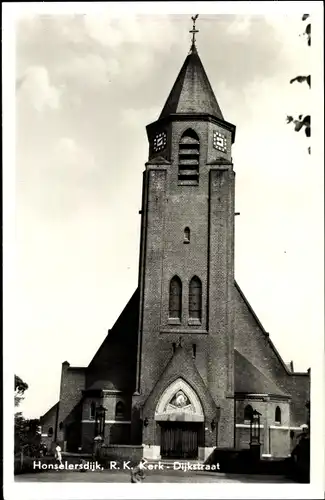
188	361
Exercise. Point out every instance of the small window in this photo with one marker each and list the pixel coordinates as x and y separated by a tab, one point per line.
92	411
187	235
194	350
174	346
278	415
119	410
61	426
248	413
50	432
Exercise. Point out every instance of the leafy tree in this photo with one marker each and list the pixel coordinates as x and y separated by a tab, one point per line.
20	422
27	432
20	388
303	121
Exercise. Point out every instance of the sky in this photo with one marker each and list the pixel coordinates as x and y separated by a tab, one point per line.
86	87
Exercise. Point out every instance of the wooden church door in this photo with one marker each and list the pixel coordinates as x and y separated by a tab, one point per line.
179	440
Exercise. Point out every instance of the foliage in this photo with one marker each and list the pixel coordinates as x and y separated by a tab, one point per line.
27	435
301	79
20	388
303	121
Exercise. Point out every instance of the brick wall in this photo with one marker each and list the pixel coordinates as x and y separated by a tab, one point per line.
48	421
279	442
70	406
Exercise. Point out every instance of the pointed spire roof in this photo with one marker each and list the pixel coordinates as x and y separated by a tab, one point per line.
192	92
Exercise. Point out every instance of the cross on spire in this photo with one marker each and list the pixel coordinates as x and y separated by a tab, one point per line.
194	30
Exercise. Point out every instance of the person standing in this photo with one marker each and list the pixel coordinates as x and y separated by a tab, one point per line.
58	455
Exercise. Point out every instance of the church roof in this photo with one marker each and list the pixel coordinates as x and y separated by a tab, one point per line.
46	414
250	380
192	92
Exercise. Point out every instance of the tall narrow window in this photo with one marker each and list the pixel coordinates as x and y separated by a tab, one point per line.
195	298
248	413
187	235
50	432
175	298
194	350
92	411
278	415
188	158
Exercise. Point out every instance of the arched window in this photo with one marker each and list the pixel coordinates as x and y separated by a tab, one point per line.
175	298
60	426
195	298
92	411
278	415
248	413
187	235
188	158
50	432
119	410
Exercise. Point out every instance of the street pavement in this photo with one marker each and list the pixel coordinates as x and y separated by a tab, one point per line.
122	476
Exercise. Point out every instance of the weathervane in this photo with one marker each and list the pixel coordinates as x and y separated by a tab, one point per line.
193	30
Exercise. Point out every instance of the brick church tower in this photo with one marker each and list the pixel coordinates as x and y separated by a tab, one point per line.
186	332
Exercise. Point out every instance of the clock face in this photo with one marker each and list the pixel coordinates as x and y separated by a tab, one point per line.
159	142
220	141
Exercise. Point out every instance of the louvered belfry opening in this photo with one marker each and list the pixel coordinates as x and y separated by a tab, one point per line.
188	158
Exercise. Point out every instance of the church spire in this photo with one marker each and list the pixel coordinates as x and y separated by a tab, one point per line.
192	92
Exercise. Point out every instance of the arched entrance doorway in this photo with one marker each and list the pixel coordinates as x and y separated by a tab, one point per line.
180	417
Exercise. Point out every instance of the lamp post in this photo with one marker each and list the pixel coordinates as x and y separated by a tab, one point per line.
100	421
255	433
99	429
